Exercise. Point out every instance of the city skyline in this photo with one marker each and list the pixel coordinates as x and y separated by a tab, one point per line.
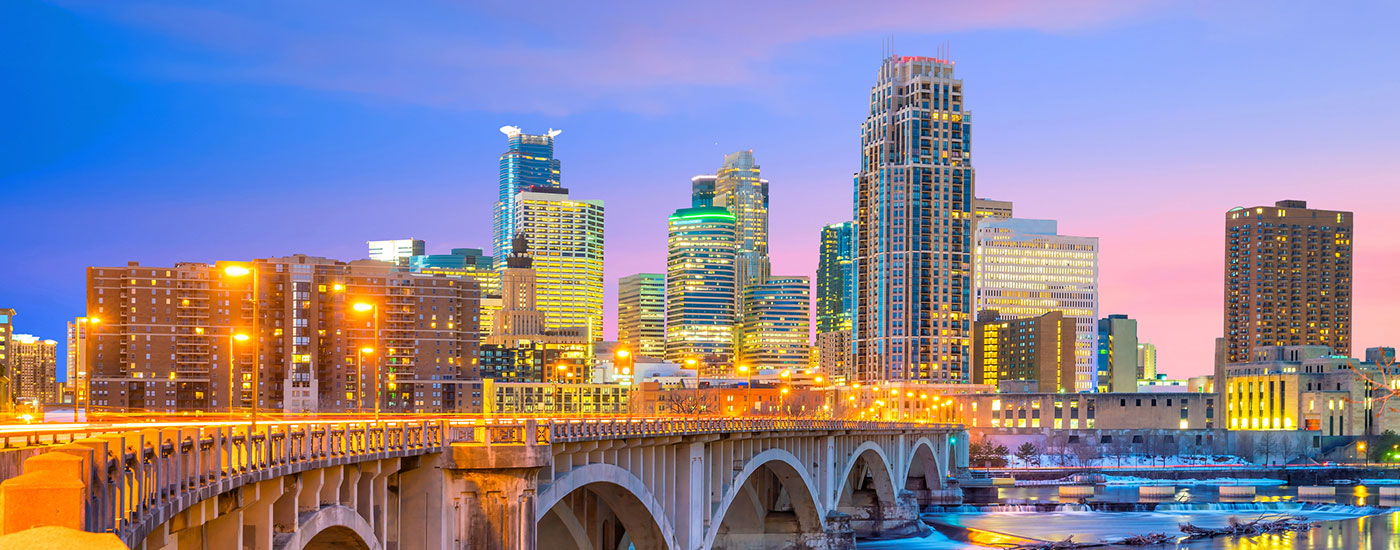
47	289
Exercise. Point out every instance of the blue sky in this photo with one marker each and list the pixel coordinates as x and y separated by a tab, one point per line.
164	131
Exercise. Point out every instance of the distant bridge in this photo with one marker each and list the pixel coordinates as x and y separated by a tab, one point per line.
598	484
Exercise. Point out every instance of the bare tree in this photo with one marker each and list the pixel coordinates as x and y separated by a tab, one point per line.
686	402
1121	445
1287	447
1267	445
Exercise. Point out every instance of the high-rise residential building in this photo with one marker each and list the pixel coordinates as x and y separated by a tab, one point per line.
702	191
835	300
739	189
776	324
1117	354
396	251
469	263
527	163
701	283
1147	361
566	238
641	314
914	194
167	337
36	369
7	367
1039	349
1025	268
1287	278
988	208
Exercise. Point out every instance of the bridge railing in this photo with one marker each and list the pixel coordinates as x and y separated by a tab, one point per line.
141	475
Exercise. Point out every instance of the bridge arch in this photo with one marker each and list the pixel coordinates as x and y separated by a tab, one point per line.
797	485
330	528
881	471
924	463
637	509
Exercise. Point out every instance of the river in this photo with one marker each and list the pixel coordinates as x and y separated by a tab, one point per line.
1355	520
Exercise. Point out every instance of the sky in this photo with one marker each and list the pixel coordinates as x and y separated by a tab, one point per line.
163	132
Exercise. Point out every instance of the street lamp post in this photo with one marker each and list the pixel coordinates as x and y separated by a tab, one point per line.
378	361
240	271
696	365
559	388
748	388
85	360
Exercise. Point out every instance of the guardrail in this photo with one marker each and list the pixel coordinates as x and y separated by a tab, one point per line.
141	475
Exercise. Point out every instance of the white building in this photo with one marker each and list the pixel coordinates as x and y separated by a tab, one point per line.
1024	268
396	250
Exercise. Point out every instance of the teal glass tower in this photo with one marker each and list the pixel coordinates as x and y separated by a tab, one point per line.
528	162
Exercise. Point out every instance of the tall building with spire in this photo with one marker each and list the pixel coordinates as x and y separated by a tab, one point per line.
701	284
519	316
528	162
739	189
914	206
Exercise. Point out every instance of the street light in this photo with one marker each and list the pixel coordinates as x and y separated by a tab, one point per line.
696	365
242	271
748	389
85	375
378	363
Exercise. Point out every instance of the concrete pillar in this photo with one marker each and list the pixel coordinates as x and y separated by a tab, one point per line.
496	486
225	531
258	517
692	496
423	517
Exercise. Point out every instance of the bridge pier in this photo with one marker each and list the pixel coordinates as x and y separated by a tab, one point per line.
493	491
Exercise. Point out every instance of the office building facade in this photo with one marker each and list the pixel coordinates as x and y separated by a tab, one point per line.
739	189
1025	268
7	365
396	251
1038	349
469	263
775	328
835	300
914	199
989	208
1117	354
1147	361
701	284
641	314
565	238
527	163
1288	278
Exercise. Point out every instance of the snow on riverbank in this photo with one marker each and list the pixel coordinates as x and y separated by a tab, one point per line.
1135	481
1126	461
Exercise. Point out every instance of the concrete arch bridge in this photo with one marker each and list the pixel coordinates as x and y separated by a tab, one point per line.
598	484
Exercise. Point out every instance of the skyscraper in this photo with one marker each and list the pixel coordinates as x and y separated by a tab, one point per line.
701	282
396	251
702	191
836	293
775	326
739	189
1025	268
1287	278
914	194
641	314
528	162
565	237
36	369
1117	354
